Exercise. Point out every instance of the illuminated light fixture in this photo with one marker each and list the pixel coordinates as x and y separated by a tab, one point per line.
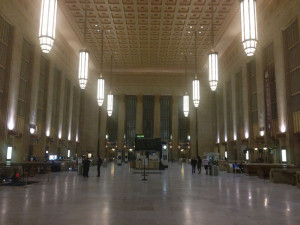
47	152
196	83
186	97
164	147
32	129
11	124
48	133
83	60
100	91
265	148
110	97
113	149
249	26
246	135
106	136
59	135
247	155
234	137
189	137
225	138
226	154
186	105
101	82
47	24
9	153
255	149
182	150
130	149
69	153
69	137
283	155
218	140
213	58
262	133
110	103
283	128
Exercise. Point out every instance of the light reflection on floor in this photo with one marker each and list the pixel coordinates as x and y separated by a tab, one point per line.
173	197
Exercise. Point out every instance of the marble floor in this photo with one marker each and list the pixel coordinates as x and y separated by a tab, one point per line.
171	197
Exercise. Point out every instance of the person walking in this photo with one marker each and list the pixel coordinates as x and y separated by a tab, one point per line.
199	164
205	162
99	162
193	163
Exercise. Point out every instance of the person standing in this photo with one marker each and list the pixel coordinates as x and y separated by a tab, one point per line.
193	163
86	167
99	163
205	161
199	164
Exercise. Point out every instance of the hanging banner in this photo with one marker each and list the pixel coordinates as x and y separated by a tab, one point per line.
268	101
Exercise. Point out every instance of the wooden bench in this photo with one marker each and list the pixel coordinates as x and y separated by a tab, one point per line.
262	170
284	176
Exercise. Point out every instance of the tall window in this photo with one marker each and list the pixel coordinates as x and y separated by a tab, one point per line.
251	70
25	74
112	122
5	46
270	85
130	120
56	99
66	108
165	117
182	123
148	116
292	53
229	110
239	104
42	96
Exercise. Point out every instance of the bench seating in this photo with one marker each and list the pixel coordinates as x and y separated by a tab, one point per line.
262	170
284	176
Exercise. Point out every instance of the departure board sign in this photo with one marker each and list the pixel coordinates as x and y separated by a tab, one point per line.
147	144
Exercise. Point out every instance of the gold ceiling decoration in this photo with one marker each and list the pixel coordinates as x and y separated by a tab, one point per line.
149	33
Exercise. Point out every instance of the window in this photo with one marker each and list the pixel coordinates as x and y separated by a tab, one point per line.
182	122
148	116
112	122
130	120
165	117
292	58
42	96
25	74
5	46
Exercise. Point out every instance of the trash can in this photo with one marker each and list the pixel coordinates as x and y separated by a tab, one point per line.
80	170
214	170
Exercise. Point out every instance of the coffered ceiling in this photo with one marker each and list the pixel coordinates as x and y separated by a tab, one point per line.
155	34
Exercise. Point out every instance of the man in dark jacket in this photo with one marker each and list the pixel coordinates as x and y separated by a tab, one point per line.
86	167
193	163
99	162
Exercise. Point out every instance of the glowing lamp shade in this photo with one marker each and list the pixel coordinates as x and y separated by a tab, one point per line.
196	92
83	68
247	155
213	71
69	153
110	104
9	153
283	155
47	24
100	91
249	26
186	105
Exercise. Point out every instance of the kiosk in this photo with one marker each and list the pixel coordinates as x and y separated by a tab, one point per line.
119	158
126	157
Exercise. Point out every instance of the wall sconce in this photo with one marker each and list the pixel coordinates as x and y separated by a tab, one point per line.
283	155
247	155
32	129
246	135
283	128
261	131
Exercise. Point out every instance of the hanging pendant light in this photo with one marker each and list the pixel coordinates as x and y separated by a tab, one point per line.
100	87
249	26
196	83
83	60
110	104
213	58
47	24
100	91
110	97
213	70
186	107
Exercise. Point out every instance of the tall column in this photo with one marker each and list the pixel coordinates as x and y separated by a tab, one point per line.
260	89
193	126
61	104
157	116
174	153
49	98
103	120
15	68
35	84
121	122
70	112
245	101
139	114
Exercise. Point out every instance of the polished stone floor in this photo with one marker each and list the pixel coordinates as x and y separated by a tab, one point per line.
171	197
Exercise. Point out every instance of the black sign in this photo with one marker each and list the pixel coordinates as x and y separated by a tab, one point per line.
147	144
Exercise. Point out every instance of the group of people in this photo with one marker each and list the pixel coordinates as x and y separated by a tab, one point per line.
198	162
86	166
